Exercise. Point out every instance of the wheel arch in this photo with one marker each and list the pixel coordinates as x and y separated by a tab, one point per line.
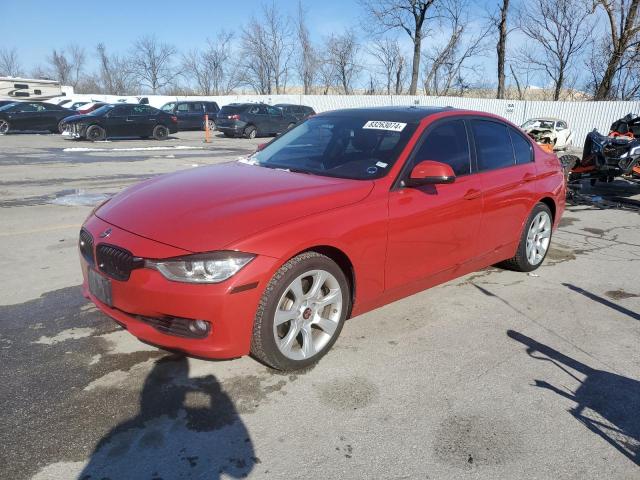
550	202
343	261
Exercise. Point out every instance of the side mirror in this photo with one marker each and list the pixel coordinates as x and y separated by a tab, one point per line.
429	172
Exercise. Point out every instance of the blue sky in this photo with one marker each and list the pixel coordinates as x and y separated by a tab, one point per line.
37	26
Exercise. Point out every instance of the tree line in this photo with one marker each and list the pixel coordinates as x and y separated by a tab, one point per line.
433	47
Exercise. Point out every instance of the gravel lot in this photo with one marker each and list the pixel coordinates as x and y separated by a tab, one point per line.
496	375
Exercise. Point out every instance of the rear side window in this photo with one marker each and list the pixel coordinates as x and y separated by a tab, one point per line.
197	107
447	143
493	145
231	110
168	107
521	148
183	107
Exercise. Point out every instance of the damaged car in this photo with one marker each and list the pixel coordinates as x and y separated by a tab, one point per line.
549	131
606	157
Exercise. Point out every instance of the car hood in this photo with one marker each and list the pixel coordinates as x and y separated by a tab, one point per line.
208	208
78	118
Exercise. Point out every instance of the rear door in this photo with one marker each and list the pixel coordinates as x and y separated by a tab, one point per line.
196	112
277	120
507	182
433	228
142	120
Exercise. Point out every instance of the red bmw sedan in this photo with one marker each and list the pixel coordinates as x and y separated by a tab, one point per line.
346	212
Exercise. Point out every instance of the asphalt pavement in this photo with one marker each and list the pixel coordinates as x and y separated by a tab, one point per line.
496	375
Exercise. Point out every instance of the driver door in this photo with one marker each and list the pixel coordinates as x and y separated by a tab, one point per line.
433	228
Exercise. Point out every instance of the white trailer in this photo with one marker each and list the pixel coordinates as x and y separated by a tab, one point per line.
16	88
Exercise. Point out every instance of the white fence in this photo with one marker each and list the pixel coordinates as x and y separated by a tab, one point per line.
582	117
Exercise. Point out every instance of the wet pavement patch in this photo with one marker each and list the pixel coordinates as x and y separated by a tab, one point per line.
567	221
348	393
620	294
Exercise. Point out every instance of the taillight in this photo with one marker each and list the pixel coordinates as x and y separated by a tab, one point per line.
234	117
174	119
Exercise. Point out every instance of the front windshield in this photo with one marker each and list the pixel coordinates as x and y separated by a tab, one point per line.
338	146
7	106
101	111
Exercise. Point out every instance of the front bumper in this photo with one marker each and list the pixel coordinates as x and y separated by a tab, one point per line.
74	130
229	306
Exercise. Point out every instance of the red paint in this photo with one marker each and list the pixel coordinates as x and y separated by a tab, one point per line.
398	240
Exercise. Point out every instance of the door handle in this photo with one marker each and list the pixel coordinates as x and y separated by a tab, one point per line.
472	194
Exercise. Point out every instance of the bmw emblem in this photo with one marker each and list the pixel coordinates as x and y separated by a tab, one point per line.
106	233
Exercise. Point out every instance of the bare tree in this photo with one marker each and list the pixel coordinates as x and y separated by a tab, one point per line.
152	63
213	68
267	47
448	65
498	21
621	50
387	52
67	65
342	54
9	63
115	73
409	16
559	30
307	59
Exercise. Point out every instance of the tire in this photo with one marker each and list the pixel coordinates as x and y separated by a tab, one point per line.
250	132
290	126
305	335
160	132
60	126
535	237
95	133
212	126
568	162
5	127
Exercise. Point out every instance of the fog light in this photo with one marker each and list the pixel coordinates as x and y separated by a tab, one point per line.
199	327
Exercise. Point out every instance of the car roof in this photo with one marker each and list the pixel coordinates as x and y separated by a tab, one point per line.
548	119
410	114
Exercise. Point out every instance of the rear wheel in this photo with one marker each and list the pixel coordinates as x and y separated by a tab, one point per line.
212	126
96	133
4	127
61	126
534	242
250	132
301	312
290	126
160	132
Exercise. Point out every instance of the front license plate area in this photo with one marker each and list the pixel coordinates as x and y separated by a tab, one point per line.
100	287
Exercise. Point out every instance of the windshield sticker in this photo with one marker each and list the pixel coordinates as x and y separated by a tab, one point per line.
382	125
372	170
381	164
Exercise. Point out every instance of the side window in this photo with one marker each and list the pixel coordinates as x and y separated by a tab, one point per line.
493	145
254	110
28	107
561	126
521	148
447	143
274	111
197	107
121	111
142	110
183	107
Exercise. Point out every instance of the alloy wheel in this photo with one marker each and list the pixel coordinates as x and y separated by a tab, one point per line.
308	314
4	127
538	238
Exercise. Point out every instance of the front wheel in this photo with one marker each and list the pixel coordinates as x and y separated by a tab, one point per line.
61	126
301	312
96	133
4	127
534	242
160	132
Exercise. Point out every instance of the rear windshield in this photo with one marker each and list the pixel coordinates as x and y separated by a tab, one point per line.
232	109
344	147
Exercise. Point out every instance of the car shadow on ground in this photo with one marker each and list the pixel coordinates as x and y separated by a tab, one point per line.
186	428
606	403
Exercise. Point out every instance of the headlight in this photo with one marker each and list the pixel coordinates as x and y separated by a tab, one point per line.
211	267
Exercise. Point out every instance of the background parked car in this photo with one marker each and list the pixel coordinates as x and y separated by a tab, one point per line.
253	120
122	120
550	131
300	112
6	102
33	116
191	114
77	105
